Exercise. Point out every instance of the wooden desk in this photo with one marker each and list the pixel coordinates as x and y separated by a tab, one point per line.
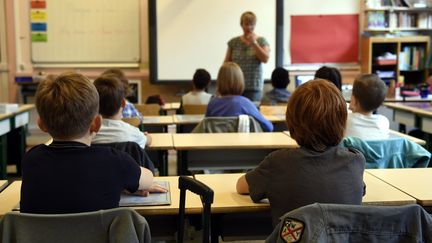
10	197
193	201
415	182
419	141
228	200
273	110
223	151
3	184
158	150
415	114
171	108
186	123
159	124
13	129
393	133
158	120
380	193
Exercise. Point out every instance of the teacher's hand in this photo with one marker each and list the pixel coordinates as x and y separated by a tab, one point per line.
251	38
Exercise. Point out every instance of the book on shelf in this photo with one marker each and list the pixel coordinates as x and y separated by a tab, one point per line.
411	58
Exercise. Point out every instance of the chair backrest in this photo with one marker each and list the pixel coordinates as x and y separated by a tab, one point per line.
194	109
224	124
134	150
206	193
354	223
149	109
390	153
134	121
112	225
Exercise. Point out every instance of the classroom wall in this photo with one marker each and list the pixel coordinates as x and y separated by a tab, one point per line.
19	45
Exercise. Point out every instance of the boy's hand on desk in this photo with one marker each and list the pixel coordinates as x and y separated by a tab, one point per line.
155	188
149	138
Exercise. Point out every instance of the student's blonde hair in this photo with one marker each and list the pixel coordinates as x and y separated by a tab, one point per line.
316	115
249	17
230	80
67	105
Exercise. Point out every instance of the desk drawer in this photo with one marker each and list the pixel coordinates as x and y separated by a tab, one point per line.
21	119
5	126
403	117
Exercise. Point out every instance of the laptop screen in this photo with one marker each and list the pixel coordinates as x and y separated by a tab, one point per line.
301	79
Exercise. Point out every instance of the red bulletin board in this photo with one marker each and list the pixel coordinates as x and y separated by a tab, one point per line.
324	38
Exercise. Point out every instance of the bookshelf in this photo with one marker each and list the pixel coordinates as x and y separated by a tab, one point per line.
393	16
392	57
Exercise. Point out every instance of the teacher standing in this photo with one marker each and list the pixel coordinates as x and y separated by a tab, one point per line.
249	51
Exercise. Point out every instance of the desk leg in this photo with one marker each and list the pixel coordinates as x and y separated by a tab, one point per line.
182	163
402	128
428	138
3	156
163	160
17	137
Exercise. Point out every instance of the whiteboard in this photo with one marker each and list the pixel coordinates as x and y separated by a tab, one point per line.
192	34
89	31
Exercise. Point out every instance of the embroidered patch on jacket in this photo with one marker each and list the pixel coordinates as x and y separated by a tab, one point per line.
292	230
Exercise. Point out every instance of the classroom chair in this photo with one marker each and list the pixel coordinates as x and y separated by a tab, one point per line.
354	223
149	109
390	153
194	109
241	123
207	194
111	225
134	150
135	122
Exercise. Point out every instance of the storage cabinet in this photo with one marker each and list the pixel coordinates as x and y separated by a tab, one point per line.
391	57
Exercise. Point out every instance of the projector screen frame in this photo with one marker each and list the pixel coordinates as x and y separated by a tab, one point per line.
153	51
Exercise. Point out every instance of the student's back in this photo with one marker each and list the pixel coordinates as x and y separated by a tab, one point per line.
230	86
70	176
279	94
320	170
368	94
198	94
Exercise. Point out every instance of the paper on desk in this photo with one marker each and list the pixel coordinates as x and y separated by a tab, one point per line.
151	199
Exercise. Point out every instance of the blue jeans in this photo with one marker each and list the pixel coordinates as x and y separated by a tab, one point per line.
351	223
253	95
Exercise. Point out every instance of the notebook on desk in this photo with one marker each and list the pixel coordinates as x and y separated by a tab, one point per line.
152	199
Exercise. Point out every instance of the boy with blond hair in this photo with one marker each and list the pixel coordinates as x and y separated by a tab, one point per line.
69	175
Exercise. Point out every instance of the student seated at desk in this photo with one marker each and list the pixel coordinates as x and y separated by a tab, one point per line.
330	74
129	109
69	175
229	102
198	95
368	94
321	170
111	102
279	94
